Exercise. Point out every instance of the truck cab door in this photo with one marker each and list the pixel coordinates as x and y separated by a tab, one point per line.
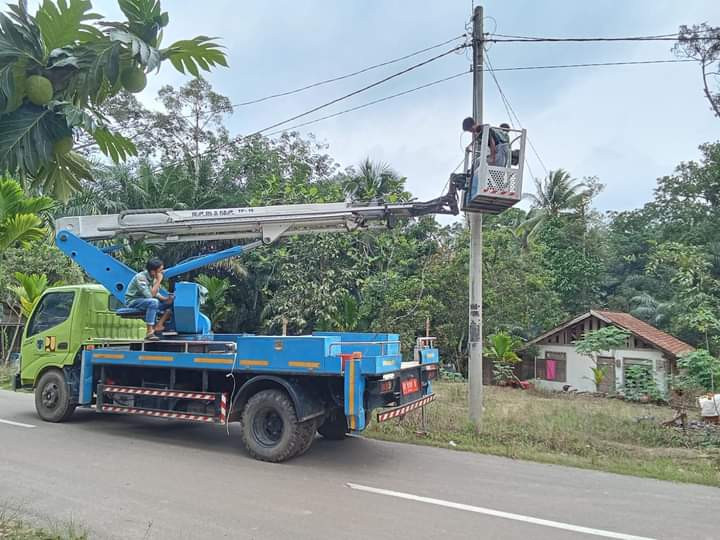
48	334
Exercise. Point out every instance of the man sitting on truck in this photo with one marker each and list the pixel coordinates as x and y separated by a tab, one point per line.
143	293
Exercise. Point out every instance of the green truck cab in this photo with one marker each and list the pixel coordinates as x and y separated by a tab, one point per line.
63	322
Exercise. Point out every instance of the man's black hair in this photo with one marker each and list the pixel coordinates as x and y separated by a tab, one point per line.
504	125
468	124
153	264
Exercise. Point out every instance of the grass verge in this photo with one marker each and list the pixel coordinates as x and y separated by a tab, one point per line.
580	431
14	528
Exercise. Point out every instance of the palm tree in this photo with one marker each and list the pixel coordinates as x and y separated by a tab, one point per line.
22	218
375	180
647	308
557	194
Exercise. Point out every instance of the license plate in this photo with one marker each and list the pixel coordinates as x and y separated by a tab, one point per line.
410	386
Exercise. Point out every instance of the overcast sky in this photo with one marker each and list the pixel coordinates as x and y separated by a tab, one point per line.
627	125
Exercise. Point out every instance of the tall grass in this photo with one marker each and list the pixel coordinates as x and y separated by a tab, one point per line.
566	429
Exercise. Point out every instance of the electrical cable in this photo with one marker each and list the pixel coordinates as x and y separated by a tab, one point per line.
347	76
536	39
374	102
363	89
512	113
596	64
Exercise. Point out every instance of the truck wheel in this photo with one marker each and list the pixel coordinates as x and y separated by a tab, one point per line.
52	399
270	430
335	426
309	429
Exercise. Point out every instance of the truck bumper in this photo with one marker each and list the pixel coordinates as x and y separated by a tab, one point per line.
402	410
397	393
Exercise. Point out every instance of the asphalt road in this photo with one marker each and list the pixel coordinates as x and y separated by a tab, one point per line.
141	478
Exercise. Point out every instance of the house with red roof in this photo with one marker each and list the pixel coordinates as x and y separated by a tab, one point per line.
556	365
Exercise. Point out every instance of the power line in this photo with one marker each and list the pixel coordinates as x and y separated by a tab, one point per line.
511	111
438	81
363	89
347	76
595	64
534	39
374	102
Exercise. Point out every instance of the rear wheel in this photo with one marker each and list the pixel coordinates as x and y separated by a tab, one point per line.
335	426
270	430
52	398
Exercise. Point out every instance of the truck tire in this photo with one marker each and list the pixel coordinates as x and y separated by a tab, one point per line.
335	426
309	429
270	429
52	399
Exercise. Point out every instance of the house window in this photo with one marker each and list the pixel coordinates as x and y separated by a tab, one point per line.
552	368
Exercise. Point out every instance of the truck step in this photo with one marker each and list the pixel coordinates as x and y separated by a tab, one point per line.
205	418
137	391
219	399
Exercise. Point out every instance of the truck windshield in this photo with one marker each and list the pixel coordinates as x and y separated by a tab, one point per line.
53	309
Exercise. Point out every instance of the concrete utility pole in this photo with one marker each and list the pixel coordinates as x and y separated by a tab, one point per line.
475	345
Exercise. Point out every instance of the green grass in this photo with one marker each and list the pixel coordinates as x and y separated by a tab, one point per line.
14	528
565	429
5	379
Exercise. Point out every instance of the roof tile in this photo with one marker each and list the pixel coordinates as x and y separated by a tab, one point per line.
647	332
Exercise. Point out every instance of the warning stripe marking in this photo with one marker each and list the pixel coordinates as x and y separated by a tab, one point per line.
223	409
158	393
401	411
160	414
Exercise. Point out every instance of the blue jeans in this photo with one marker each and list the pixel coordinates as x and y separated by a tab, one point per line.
152	307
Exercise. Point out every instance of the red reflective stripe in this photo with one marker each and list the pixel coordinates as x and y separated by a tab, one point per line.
405	409
223	409
159	414
158	393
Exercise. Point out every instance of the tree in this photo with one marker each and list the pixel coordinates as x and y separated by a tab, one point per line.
701	42
30	289
22	218
58	68
216	300
557	194
375	181
597	341
501	350
686	271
